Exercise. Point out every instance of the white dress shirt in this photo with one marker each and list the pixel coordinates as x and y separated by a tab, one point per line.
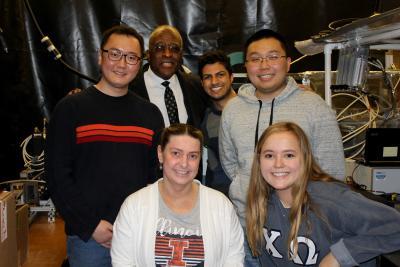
156	91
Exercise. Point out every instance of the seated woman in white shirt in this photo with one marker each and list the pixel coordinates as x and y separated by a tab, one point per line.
177	221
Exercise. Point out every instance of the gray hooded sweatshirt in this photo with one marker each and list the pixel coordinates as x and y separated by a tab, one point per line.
238	133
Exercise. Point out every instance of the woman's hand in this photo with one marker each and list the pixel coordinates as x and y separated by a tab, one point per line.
329	261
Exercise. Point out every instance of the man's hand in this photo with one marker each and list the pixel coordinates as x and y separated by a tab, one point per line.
74	91
329	261
103	233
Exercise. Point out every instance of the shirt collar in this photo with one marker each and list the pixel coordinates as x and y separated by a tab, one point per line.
154	77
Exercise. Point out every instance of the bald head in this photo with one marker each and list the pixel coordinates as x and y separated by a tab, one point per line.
165	51
165	29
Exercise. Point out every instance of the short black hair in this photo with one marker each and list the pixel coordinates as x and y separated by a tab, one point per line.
122	30
211	57
265	34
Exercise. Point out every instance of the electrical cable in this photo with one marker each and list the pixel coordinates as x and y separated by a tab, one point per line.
298	59
373	115
31	162
349	105
362	144
389	83
51	47
333	27
352	115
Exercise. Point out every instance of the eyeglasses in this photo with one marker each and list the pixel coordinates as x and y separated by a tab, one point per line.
273	59
161	47
116	55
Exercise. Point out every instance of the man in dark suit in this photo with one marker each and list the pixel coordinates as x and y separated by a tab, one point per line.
165	70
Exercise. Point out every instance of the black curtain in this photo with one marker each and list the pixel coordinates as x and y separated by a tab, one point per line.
32	82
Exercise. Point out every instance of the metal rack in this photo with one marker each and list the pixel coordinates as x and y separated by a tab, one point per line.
378	32
26	191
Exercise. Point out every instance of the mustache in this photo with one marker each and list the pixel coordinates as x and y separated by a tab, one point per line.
217	85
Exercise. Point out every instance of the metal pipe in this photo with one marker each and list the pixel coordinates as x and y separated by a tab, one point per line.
328	68
376	37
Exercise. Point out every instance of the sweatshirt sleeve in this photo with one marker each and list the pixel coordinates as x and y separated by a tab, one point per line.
227	153
59	173
327	141
365	228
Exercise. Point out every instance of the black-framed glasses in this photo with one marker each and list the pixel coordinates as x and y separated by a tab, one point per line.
116	55
161	47
270	58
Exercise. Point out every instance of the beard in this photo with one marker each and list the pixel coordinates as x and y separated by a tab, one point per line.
220	97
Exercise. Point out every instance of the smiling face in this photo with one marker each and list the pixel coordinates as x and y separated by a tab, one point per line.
216	81
269	77
116	75
180	159
280	162
165	53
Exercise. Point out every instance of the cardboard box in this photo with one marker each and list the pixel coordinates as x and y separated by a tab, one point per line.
8	240
22	214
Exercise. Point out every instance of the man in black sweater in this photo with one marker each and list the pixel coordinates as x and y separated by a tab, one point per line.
101	148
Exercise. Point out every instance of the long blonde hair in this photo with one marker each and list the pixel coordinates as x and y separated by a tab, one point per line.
260	191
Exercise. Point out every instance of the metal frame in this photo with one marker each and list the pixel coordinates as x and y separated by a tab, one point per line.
378	31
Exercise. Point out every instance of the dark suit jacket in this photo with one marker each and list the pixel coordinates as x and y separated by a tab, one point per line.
193	94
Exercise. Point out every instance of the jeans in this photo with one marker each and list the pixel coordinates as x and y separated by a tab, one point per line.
87	254
249	260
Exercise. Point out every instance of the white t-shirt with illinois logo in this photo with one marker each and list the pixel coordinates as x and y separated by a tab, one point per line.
179	241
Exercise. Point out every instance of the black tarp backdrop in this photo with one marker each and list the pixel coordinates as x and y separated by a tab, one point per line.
32	82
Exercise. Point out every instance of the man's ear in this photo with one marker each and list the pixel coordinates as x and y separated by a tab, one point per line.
146	55
288	61
99	58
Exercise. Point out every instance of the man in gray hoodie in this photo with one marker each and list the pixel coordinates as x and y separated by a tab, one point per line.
273	96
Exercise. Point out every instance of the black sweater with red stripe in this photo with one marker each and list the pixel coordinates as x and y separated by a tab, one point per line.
99	150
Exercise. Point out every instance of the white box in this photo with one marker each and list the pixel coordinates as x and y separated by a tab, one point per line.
380	179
